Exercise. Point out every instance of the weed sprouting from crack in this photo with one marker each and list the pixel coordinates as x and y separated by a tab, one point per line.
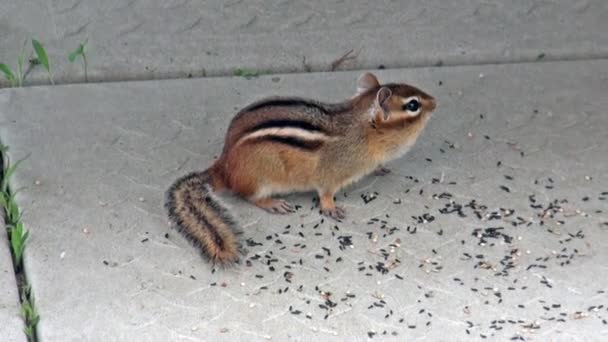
80	51
17	236
15	79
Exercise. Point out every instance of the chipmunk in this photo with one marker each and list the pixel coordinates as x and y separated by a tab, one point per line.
288	144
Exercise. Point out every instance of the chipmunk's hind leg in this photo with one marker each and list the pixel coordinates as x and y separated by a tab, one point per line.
257	172
273	205
328	206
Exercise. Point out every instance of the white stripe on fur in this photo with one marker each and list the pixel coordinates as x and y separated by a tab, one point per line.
287	132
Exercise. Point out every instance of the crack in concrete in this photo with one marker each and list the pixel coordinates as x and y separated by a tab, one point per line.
76	32
70	8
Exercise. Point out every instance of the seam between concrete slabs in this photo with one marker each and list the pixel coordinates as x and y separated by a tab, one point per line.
285	71
145	81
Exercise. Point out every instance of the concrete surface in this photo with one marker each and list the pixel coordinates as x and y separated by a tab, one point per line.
11	328
135	40
521	148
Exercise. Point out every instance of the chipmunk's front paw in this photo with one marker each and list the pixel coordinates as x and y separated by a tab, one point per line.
335	213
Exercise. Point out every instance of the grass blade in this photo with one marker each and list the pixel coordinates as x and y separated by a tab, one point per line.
20	62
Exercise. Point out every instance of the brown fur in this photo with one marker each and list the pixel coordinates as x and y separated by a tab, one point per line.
281	145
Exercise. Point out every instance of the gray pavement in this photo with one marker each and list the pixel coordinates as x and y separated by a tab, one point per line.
11	328
137	40
493	226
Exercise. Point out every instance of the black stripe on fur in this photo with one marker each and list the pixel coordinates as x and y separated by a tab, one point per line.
307	126
302	144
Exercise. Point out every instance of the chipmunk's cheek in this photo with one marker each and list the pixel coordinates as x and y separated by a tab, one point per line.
431	105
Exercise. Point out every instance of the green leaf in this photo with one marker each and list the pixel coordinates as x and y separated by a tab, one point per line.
42	59
78	52
13	211
15	244
41	53
7	175
18	239
8	73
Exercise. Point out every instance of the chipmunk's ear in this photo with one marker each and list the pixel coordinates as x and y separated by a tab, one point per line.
382	101
366	81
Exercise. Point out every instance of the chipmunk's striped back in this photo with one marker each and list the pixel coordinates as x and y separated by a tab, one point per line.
287	119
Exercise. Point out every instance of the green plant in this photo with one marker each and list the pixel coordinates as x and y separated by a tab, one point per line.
18	237
29	312
80	52
247	73
15	80
42	58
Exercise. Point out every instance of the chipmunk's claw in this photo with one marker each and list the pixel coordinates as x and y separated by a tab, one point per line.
335	213
382	171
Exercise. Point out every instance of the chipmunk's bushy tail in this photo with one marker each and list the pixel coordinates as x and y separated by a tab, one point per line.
199	216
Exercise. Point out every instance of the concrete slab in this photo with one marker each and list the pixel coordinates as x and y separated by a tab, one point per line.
11	328
493	226
134	40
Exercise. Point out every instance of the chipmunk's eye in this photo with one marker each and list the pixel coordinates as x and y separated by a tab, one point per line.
412	105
